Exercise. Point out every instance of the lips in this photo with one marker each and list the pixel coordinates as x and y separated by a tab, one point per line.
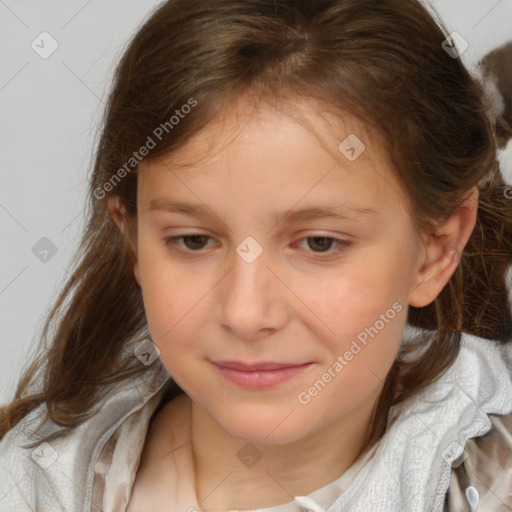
235	365
260	375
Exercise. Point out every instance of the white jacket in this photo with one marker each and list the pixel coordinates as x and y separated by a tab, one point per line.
448	450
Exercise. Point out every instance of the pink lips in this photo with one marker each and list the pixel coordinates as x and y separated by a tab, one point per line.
260	375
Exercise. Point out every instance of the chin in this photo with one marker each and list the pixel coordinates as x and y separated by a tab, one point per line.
258	427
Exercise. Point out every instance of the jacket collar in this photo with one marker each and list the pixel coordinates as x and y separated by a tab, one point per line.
413	461
411	466
64	469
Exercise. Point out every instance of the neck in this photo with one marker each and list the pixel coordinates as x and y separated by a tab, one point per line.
232	474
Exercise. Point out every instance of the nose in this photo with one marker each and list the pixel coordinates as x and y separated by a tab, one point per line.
253	298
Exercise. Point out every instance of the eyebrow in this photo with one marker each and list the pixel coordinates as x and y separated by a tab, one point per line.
336	211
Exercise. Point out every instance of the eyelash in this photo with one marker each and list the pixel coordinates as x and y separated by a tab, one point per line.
172	244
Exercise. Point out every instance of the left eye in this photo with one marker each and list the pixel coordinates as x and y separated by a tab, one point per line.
195	242
325	243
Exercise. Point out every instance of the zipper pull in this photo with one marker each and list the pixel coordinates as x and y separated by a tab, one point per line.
473	498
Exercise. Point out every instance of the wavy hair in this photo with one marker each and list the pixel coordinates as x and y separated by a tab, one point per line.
382	63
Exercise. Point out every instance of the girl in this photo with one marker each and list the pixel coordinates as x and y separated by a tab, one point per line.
340	337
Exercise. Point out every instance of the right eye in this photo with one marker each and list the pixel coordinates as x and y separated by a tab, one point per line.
194	245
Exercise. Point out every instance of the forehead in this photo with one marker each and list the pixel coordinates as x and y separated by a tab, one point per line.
246	118
302	149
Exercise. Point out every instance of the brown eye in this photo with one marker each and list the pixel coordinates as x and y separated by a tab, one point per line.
323	244
192	243
197	241
187	245
320	243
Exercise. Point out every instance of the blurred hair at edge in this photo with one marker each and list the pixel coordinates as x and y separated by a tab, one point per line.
380	63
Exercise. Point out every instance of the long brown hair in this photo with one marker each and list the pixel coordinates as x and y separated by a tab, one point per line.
382	63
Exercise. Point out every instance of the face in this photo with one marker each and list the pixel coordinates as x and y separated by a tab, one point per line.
254	275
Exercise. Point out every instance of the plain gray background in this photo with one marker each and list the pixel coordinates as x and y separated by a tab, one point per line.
50	112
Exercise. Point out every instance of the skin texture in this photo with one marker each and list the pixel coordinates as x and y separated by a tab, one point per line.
295	303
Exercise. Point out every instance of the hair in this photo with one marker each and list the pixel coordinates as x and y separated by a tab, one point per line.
381	63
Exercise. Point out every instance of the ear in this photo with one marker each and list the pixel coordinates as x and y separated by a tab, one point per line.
118	214
442	252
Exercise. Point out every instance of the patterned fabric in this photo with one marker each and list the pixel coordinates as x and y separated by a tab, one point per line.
486	469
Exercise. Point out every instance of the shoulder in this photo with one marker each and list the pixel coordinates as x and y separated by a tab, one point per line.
483	473
46	467
23	462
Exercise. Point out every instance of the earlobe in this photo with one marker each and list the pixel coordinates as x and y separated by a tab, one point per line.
442	252
442	260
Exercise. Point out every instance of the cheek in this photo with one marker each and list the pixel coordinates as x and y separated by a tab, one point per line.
171	305
352	298
177	303
167	293
359	314
367	336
